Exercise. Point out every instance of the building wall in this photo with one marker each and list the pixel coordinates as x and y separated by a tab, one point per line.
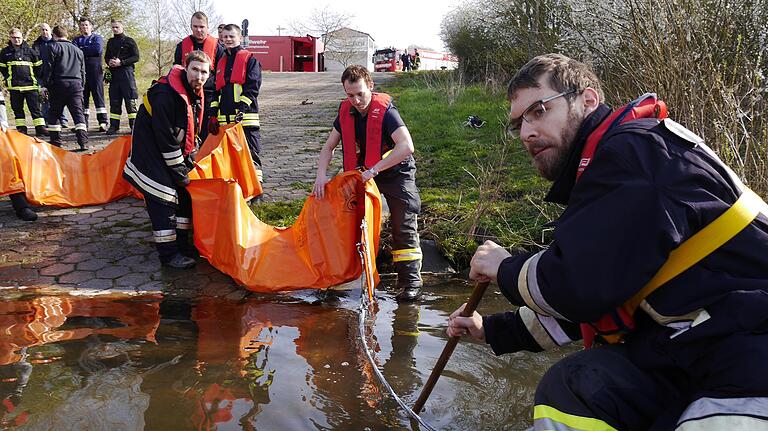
349	47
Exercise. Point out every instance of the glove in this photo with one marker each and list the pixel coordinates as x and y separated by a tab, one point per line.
239	117
213	126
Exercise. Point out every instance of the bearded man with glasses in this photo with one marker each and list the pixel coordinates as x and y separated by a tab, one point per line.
659	263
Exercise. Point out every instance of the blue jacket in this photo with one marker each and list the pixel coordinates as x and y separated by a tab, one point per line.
651	185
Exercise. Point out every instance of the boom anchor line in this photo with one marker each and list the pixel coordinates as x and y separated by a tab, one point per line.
366	306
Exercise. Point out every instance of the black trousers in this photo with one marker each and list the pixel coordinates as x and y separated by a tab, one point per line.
32	98
122	89
170	226
67	93
399	189
94	86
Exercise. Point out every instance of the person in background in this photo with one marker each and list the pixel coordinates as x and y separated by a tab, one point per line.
42	45
200	40
659	262
18	200
63	78
405	59
165	139
238	81
121	55
92	45
20	66
373	137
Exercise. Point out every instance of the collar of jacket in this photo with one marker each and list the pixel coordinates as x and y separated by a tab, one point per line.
560	192
233	51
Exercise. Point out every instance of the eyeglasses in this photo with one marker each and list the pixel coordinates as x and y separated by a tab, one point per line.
533	113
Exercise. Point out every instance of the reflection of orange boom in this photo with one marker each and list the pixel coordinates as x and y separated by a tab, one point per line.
26	323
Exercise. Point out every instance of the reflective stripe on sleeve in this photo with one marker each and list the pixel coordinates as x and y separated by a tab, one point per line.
544	329
173	158
549	418
38	121
528	286
406	255
246	100
131	115
149	185
183	223
706	413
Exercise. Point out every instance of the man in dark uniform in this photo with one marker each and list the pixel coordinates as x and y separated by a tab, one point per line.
18	200
238	80
660	243
388	159
41	45
20	66
92	45
163	152
121	55
200	40
63	77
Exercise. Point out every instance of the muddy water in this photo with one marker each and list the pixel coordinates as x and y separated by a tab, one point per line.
285	362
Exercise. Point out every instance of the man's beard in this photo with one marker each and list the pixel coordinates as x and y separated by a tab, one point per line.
554	163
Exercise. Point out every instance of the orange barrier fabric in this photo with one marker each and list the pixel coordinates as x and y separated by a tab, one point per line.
54	176
318	251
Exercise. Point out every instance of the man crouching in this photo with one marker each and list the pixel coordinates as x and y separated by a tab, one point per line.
165	139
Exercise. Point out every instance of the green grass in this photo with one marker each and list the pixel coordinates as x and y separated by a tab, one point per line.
283	213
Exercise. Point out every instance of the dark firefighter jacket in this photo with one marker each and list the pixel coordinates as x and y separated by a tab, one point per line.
233	97
64	63
651	185
125	48
162	153
218	50
20	67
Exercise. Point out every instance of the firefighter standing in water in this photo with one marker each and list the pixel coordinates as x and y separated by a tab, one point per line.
659	243
121	55
238	80
92	45
166	136
21	67
200	40
374	137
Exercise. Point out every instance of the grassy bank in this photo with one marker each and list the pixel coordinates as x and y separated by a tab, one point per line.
475	183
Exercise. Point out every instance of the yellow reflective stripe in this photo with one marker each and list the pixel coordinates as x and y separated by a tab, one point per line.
215	104
246	100
52	128
38	121
238	89
38	63
21	63
24	88
131	115
250	123
405	255
703	243
21	122
250	116
146	104
3	65
114	116
564	421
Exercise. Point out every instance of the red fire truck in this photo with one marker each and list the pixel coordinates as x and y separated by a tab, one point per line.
388	59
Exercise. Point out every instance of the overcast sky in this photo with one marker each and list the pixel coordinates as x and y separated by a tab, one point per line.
398	23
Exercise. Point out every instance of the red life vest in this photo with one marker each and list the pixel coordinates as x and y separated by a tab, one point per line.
380	102
612	326
174	79
239	68
209	47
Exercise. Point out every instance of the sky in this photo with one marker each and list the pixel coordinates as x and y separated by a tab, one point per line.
398	23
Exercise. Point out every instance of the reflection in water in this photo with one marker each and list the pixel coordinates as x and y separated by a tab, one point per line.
273	362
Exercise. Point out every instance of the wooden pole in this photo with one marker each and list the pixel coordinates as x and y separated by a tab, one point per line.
477	294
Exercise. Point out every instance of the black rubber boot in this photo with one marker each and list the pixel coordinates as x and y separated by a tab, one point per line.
21	129
171	257
56	138
26	214
409	294
82	138
180	261
22	208
41	131
185	245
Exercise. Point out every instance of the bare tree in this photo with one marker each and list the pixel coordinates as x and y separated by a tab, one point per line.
27	14
100	12
181	12
345	47
159	33
322	22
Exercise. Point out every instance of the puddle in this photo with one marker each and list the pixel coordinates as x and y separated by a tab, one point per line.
277	362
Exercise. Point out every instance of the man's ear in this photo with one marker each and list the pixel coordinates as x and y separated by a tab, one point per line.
591	99
370	86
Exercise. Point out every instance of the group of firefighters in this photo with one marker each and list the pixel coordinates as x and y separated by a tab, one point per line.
659	261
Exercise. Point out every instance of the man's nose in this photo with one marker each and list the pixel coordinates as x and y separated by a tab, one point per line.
528	130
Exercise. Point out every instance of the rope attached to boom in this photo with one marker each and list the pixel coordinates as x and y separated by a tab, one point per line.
366	305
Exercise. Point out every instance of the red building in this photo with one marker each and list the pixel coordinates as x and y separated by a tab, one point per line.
287	53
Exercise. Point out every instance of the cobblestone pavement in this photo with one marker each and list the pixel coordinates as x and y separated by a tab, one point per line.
109	247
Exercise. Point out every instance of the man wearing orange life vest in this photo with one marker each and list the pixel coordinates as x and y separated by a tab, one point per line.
200	40
374	137
165	138
659	262
238	80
